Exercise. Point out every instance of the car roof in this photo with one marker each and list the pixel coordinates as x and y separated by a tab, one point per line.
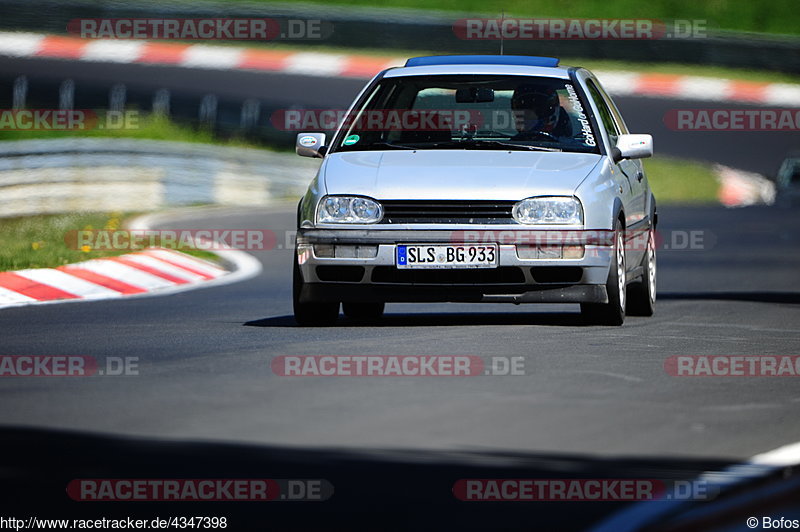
519	65
524	60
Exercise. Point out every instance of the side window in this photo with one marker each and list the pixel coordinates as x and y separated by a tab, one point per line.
605	113
621	127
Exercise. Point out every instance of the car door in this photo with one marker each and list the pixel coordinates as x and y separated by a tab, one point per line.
641	186
633	182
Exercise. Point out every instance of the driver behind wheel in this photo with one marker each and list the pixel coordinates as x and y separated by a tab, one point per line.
539	114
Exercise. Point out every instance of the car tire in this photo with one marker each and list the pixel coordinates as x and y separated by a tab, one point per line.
613	312
363	311
642	293
310	313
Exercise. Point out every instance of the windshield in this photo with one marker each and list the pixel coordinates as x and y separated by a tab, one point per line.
469	112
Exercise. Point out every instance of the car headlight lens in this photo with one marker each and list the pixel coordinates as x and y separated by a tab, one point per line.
549	210
348	210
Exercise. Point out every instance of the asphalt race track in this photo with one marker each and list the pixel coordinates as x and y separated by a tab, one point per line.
204	359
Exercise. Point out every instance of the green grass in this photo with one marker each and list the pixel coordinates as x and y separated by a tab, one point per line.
44	241
681	181
775	16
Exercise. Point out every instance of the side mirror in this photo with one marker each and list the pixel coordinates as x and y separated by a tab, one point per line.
633	147
310	145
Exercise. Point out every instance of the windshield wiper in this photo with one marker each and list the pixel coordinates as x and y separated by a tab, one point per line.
478	143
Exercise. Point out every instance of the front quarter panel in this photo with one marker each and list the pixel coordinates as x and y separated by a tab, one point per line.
599	195
309	204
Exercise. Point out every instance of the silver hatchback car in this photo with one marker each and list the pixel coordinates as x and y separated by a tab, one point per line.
477	179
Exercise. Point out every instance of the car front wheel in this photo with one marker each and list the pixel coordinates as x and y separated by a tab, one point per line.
310	313
613	312
642	294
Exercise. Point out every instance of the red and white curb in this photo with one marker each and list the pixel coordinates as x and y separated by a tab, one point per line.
136	273
740	189
205	56
150	272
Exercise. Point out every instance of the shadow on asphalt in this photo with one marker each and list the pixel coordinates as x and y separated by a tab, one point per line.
792	298
564	319
372	489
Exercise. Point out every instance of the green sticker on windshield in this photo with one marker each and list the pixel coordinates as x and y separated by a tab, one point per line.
352	139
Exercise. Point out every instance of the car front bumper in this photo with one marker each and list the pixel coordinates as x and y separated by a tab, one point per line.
370	273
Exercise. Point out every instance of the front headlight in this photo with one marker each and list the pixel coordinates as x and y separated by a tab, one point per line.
348	210
558	210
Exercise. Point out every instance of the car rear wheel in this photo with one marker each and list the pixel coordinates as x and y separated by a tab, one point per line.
363	311
310	313
642	293
613	312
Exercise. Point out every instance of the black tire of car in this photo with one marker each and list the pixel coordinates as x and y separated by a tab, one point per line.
613	312
310	313
642	293
363	311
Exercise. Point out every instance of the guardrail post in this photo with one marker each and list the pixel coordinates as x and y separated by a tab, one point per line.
161	102
20	94
251	110
66	95
116	98
208	110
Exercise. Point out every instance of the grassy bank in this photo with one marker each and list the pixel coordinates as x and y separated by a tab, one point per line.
48	241
681	181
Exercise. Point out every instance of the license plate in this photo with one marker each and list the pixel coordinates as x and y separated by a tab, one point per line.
446	256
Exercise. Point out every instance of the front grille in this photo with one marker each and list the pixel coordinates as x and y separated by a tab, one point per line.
447	211
476	276
557	274
347	274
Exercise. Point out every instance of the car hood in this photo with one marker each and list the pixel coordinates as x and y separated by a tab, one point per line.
456	174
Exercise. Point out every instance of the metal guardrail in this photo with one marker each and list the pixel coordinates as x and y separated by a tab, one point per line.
67	175
377	28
